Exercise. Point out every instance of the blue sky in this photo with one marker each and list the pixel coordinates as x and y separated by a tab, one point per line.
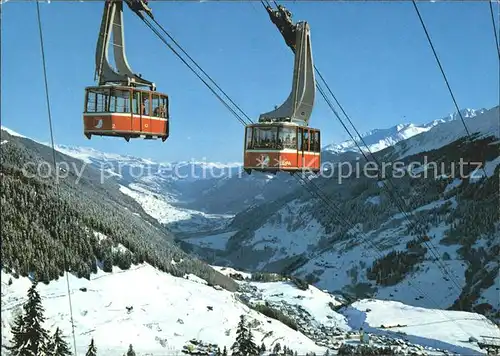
374	56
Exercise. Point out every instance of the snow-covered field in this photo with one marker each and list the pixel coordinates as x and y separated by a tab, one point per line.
169	311
166	310
449	330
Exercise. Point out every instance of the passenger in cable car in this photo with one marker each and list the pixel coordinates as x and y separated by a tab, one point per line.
143	105
159	111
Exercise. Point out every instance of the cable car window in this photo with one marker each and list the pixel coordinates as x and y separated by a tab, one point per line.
163	108
315	146
299	138
97	101
249	138
155	103
91	101
266	137
136	102
159	105
145	103
113	101
305	138
288	137
122	98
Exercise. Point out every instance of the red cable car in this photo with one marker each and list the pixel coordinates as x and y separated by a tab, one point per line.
125	112
118	106
283	146
282	139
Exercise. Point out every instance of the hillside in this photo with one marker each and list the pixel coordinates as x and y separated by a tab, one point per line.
372	249
48	228
160	314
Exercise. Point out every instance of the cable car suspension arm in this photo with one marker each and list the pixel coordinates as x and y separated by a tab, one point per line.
299	104
112	22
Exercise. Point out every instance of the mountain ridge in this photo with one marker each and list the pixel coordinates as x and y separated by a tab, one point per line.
378	139
400	132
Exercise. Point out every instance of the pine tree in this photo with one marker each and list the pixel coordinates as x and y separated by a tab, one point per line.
17	329
29	336
251	348
130	351
58	346
244	344
92	350
262	348
237	347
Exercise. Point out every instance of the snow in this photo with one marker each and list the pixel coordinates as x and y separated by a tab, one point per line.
489	169
229	270
452	185
375	200
288	232
486	124
379	139
217	241
345	265
160	207
429	206
12	132
444	329
415	288
313	300
169	311
491	295
159	300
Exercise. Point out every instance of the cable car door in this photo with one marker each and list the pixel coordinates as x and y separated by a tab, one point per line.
145	112
300	147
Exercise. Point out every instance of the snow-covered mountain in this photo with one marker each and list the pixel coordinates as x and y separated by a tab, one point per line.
339	247
195	189
163	315
378	139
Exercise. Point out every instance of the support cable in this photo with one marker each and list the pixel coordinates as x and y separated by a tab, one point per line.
47	98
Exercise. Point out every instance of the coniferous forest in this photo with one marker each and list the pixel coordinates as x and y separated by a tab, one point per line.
49	228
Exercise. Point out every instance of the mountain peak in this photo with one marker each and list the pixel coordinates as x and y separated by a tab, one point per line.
379	139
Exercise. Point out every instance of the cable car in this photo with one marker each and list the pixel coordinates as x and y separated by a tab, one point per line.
125	112
282	139
123	104
273	147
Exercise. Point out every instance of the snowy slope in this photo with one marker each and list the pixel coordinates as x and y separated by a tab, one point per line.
379	139
169	311
342	265
442	329
160	207
166	310
486	124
